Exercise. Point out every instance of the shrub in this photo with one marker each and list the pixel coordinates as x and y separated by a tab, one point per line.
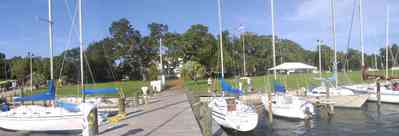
193	70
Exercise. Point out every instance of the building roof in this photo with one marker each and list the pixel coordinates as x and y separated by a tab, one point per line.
292	66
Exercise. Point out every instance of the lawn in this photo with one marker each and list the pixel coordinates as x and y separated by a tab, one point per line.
130	88
292	81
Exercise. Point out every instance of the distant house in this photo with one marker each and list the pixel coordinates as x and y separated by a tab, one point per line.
293	67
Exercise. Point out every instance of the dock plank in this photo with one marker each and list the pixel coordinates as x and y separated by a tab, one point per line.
169	114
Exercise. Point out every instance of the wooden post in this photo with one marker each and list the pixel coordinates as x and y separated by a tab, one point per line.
122	105
330	106
378	93
270	113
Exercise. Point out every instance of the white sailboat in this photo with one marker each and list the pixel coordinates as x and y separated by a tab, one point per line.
339	95
41	118
389	90
285	105
231	113
288	106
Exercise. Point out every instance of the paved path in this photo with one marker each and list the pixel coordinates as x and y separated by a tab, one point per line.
168	114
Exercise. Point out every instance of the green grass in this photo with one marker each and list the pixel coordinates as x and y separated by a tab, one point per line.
130	88
292	81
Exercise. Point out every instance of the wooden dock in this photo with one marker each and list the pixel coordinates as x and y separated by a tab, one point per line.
168	114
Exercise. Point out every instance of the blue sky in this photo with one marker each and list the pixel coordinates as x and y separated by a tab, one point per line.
303	21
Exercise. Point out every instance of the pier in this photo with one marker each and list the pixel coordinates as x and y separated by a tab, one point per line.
167	114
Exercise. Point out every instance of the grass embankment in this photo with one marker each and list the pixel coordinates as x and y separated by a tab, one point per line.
130	88
292	81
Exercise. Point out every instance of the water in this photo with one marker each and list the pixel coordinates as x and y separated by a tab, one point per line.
369	120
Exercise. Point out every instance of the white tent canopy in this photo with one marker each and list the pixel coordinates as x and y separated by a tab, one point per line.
395	68
293	66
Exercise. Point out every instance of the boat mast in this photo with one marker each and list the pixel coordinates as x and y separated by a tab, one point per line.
31	72
243	49
334	40
386	42
273	39
81	50
361	29
220	35
375	61
50	31
319	46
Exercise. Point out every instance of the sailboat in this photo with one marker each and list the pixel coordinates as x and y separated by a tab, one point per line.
329	89
41	118
287	106
389	89
231	113
283	104
58	117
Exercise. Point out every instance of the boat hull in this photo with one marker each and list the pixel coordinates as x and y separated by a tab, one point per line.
66	123
238	120
387	95
294	110
40	118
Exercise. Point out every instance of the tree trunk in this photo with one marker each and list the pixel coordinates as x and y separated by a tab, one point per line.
143	71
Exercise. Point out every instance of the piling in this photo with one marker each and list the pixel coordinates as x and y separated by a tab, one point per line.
270	113
330	106
378	93
122	105
90	120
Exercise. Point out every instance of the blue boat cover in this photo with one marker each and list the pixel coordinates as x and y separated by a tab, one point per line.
278	87
49	95
100	91
68	106
228	88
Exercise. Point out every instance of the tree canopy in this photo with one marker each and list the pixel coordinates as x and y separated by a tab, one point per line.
126	53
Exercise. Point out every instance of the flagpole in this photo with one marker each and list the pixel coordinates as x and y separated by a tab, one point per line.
161	62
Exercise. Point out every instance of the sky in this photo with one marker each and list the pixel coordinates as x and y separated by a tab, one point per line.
303	21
